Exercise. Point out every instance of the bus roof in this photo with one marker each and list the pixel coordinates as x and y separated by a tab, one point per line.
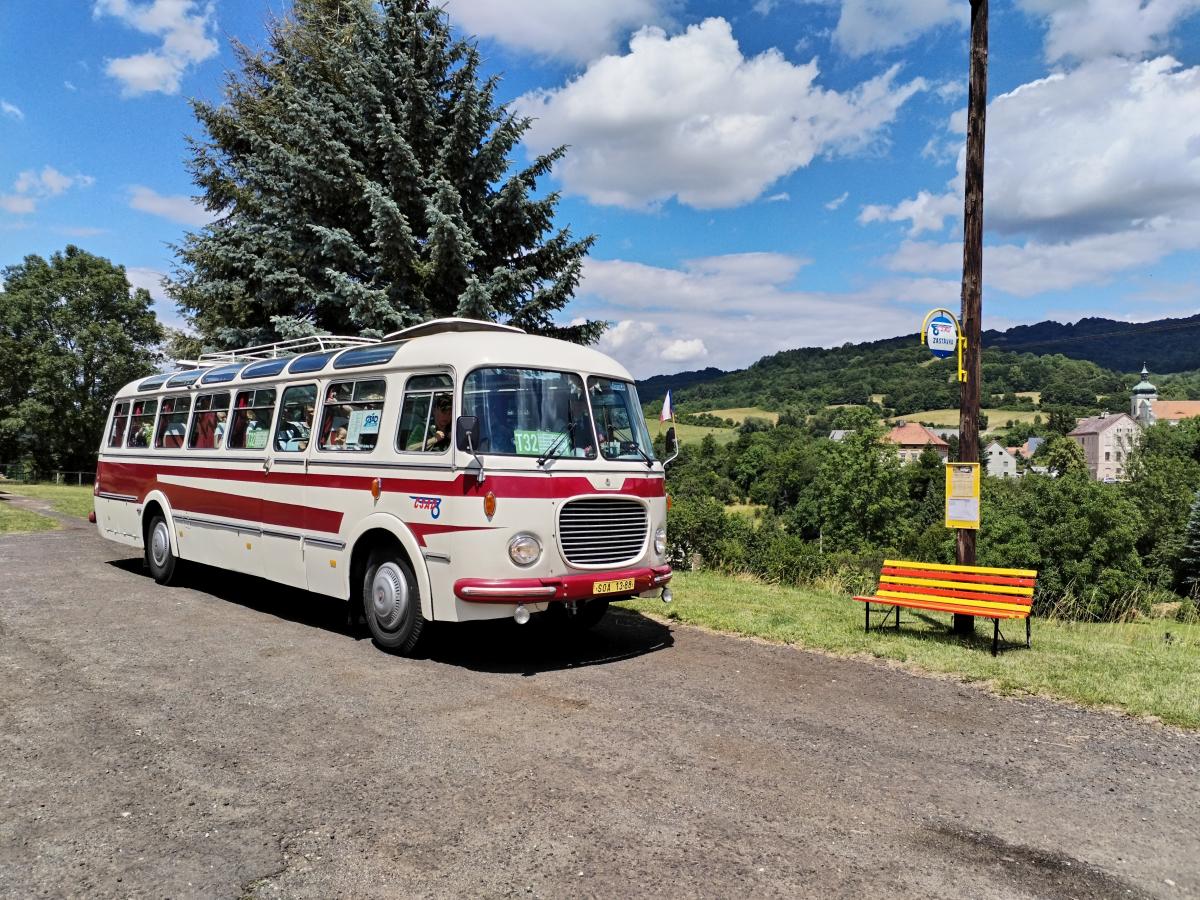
426	346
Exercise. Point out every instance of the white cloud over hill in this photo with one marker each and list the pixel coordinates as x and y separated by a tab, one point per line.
691	117
1087	29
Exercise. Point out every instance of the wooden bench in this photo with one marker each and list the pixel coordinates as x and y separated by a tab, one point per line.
969	590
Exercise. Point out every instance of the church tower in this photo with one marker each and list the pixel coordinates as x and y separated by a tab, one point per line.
1144	396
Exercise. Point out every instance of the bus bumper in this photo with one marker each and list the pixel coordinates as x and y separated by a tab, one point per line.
564	587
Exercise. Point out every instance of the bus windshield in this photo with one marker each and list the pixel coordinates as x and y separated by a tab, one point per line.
530	412
619	421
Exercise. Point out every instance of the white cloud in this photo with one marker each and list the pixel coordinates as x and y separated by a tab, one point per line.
728	311
765	7
926	212
32	186
684	351
1087	29
869	26
11	110
690	117
836	202
176	207
576	30
70	86
1103	149
152	280
185	27
781	197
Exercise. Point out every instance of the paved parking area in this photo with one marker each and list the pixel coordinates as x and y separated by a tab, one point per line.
231	738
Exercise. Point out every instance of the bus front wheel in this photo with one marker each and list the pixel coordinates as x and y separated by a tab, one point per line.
160	559
392	603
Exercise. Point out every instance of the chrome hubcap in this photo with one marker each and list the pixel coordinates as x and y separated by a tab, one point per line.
160	544
389	596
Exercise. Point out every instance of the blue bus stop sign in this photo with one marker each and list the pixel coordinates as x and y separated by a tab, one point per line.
942	336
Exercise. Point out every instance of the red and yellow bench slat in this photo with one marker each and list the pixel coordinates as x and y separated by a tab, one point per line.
989	592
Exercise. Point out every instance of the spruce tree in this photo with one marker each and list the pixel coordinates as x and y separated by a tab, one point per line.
361	169
1189	558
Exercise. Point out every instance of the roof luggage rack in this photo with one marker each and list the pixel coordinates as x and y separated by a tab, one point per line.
280	349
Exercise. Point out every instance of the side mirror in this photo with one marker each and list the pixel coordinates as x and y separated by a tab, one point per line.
672	446
467	431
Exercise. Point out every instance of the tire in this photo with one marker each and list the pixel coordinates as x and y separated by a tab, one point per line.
391	602
588	614
160	558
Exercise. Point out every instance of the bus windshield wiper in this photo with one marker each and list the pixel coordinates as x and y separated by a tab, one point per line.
642	453
562	436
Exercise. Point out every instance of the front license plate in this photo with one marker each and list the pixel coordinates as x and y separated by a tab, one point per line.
613	587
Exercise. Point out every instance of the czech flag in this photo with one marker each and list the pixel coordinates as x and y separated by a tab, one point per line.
667	414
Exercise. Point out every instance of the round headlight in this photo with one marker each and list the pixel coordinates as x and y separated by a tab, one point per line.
525	549
660	541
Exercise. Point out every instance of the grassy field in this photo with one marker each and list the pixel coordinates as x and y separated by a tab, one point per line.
949	417
692	434
15	521
747	510
740	414
70	500
1035	396
1149	668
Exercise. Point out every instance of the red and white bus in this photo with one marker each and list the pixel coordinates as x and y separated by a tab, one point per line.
452	471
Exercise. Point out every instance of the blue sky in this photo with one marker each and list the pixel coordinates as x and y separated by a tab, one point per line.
761	175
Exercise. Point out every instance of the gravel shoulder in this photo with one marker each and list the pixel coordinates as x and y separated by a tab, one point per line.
230	737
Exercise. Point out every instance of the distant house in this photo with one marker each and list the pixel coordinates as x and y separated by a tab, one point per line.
999	461
1107	441
912	439
1027	449
943	432
840	434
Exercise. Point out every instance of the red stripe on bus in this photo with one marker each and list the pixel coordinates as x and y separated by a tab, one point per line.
137	479
420	529
885	585
251	509
959	576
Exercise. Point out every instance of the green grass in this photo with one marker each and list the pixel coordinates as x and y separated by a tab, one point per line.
14	520
747	510
693	434
949	417
1148	668
740	414
71	500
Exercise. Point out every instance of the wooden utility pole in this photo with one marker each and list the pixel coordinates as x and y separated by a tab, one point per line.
972	278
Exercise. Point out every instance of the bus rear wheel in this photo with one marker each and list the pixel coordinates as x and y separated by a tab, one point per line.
160	559
392	603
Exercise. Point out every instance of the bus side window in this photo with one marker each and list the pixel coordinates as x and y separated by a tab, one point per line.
172	424
294	427
251	421
351	415
427	415
209	422
116	434
141	423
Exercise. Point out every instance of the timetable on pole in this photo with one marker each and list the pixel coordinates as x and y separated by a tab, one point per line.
962	495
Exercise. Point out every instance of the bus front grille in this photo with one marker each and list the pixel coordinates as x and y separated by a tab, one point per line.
602	531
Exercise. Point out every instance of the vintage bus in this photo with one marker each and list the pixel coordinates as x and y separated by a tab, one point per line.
452	471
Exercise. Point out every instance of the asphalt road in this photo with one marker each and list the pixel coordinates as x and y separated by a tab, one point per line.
230	738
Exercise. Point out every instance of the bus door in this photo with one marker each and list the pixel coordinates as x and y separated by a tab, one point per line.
285	505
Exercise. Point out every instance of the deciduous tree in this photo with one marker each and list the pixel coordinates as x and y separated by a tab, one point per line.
72	332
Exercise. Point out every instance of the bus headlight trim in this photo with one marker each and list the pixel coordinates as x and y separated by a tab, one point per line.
660	541
525	549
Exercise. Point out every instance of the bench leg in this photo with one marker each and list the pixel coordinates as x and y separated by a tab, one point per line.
868	617
1028	643
996	637
897	618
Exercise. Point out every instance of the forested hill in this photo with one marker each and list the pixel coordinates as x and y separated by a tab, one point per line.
1167	345
899	375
